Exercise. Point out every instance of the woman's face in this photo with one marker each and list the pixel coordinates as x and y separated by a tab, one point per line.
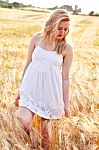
62	30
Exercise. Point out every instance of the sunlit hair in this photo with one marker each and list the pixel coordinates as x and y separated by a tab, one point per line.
51	27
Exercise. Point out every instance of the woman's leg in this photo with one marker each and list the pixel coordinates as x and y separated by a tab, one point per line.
25	117
46	140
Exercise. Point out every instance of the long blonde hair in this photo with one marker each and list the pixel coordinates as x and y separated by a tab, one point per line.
51	25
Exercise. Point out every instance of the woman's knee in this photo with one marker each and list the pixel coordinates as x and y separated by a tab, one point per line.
25	117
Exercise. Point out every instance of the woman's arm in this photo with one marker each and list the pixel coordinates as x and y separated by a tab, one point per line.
65	77
29	57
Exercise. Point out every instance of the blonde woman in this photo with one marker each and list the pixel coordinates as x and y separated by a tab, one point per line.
44	88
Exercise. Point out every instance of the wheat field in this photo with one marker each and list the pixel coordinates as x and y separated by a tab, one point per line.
81	130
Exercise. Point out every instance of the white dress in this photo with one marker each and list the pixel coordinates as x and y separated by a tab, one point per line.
41	87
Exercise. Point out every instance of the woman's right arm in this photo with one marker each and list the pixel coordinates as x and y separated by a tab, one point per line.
29	59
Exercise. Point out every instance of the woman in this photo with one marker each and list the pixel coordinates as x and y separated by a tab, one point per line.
44	88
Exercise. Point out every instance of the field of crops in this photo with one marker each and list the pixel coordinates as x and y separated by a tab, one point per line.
81	130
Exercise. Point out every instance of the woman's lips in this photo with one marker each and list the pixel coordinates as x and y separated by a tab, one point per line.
60	35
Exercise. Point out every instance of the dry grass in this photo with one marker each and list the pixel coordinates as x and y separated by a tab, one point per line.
81	131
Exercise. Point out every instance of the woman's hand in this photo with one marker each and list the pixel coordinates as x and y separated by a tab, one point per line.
17	100
67	112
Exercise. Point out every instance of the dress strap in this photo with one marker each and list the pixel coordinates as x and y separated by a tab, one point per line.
40	40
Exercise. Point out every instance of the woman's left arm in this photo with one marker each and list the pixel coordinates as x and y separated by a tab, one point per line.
65	78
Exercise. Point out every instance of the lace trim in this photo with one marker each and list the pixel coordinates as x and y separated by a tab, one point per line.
39	109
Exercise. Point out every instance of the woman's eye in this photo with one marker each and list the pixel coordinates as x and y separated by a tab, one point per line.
65	29
59	28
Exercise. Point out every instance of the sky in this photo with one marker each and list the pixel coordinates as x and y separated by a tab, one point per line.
85	5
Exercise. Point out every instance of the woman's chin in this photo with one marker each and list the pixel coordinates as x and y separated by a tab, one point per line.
59	38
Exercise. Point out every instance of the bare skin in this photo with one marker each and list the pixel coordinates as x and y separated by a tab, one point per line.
25	120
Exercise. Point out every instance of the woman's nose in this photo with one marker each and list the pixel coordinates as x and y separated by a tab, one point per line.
62	31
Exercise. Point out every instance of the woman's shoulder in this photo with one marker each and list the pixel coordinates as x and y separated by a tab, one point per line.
68	50
69	47
36	37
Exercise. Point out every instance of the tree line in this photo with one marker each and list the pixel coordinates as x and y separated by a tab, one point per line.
6	4
75	11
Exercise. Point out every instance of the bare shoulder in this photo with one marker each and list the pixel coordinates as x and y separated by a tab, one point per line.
69	48
68	51
36	37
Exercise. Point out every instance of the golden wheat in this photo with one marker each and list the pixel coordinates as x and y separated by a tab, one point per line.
81	130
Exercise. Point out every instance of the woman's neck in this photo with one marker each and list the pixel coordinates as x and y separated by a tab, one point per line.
48	44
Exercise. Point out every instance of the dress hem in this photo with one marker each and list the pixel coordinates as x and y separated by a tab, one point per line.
37	113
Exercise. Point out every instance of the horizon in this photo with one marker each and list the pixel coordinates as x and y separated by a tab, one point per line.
92	6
